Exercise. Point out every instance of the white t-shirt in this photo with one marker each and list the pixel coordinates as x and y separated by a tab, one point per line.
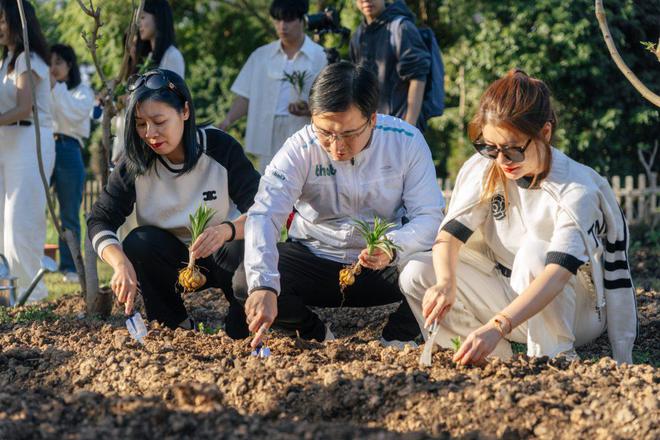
173	60
42	83
71	110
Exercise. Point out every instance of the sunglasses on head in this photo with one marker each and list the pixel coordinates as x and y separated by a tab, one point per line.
153	81
513	154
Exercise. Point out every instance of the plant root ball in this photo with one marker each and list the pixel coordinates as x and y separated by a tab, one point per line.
191	278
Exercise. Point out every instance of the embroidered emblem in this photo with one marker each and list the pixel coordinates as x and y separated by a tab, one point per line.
210	195
498	207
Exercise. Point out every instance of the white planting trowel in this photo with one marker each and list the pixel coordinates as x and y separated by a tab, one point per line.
426	357
136	327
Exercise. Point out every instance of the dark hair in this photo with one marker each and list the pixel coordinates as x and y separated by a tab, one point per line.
288	10
139	157
519	103
339	85
38	44
164	23
66	52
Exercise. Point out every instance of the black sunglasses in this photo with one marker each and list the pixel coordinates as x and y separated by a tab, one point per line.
153	81
514	154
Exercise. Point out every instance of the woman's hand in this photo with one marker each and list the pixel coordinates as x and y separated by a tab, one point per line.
478	345
211	240
376	261
437	301
124	284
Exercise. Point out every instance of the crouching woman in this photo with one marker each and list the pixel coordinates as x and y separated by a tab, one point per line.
172	167
533	245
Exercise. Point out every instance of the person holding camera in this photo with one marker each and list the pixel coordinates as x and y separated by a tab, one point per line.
273	85
349	164
389	42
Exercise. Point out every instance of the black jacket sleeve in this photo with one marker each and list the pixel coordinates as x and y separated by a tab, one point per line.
414	59
116	202
242	177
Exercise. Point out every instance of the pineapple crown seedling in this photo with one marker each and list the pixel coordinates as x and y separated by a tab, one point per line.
375	238
297	79
199	219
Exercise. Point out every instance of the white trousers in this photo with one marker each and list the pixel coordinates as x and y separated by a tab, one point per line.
23	202
570	320
284	126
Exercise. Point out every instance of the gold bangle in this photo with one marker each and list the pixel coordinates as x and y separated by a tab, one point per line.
498	326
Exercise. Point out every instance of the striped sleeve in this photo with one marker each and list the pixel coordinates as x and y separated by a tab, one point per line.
111	209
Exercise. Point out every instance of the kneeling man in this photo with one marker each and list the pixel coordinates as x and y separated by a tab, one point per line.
348	164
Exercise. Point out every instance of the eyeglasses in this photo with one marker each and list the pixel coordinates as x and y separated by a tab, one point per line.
514	154
327	137
153	81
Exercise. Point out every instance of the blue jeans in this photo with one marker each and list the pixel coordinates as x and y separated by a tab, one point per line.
68	180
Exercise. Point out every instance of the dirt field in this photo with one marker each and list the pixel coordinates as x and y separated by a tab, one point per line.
66	377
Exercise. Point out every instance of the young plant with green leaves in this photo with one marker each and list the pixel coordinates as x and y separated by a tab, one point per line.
297	79
190	277
456	343
375	238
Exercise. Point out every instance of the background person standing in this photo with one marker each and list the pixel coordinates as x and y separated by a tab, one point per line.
273	110
72	104
22	195
389	42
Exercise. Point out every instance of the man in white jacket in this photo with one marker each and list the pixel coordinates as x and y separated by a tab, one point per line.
349	164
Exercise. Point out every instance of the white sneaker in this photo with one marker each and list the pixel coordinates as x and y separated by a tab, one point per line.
71	277
399	345
329	336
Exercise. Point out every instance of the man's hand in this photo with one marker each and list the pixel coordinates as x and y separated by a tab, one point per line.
376	261
299	108
260	310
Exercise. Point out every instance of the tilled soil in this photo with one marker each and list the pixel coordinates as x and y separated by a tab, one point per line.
79	378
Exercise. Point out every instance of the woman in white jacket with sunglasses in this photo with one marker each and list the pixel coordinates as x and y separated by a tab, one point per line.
533	246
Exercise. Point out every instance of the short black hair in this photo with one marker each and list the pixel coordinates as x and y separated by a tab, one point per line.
339	85
165	36
67	53
289	10
139	157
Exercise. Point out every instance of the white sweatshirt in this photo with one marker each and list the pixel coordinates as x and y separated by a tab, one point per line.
71	110
394	177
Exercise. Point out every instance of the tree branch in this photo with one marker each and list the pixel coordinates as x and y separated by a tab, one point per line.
614	53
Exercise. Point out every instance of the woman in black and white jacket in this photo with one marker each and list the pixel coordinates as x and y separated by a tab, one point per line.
172	167
533	246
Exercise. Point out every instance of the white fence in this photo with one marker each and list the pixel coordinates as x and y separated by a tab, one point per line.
639	202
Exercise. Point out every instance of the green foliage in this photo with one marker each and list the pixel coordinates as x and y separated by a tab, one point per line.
199	219
375	237
602	119
26	315
456	343
207	329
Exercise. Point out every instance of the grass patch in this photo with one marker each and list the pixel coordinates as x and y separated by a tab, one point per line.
26	315
207	329
54	283
518	348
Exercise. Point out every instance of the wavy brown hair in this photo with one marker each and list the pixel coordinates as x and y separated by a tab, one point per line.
519	103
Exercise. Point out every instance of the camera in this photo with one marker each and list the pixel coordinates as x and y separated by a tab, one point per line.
323	22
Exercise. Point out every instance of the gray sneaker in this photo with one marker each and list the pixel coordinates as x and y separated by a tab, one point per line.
71	277
399	345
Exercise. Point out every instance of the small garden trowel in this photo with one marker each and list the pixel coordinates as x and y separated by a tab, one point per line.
136	327
425	358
